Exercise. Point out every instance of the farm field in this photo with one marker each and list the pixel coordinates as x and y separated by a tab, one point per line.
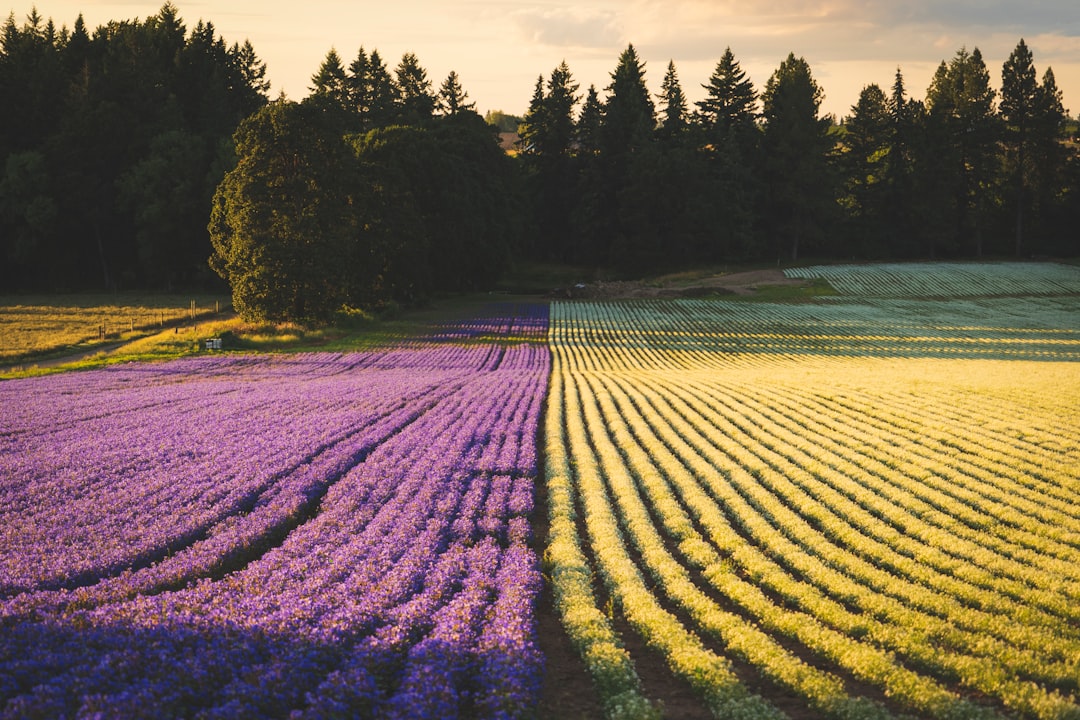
33	326
314	535
855	506
852	508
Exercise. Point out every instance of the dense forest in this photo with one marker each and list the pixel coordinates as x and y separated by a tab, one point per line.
634	182
134	154
111	145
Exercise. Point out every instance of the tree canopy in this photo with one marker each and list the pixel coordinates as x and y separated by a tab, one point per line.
111	145
135	151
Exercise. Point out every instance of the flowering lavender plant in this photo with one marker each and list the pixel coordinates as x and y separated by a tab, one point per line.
320	535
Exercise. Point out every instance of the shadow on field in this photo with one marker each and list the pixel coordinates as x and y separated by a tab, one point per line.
78	666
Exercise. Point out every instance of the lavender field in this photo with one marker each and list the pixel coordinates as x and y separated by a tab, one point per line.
840	508
319	535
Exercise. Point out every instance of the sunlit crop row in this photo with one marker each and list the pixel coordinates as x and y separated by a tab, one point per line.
294	536
837	521
696	334
942	279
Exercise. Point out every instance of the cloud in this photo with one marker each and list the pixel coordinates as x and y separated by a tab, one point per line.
570	27
1038	16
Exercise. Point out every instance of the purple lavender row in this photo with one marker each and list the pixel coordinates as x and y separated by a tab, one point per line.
47	508
330	619
409	620
173	615
501	321
119	490
238	537
49	504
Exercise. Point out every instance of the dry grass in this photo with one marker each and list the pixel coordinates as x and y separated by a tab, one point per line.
37	326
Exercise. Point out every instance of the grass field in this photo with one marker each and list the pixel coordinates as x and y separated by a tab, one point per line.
34	327
796	504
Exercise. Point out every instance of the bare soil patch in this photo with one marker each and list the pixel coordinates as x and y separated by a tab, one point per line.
741	283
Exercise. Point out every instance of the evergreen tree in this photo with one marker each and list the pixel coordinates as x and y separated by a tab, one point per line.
587	129
899	234
358	82
796	143
731	100
532	125
451	100
330	82
384	93
1033	119
417	102
628	128
863	159
1019	98
249	77
732	141
673	107
964	128
629	113
1051	158
548	136
548	127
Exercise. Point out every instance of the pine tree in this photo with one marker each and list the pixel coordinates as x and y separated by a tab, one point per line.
731	100
796	144
587	129
417	101
548	129
548	135
532	125
1020	103
961	111
330	81
451	100
863	157
384	94
901	202
1049	155
629	113
626	167
673	107
358	83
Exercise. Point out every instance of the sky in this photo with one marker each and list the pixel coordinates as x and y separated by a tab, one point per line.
498	49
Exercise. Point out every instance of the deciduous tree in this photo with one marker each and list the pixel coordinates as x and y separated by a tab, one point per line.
282	224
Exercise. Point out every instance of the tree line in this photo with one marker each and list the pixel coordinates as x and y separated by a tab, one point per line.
376	188
639	182
136	153
111	146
